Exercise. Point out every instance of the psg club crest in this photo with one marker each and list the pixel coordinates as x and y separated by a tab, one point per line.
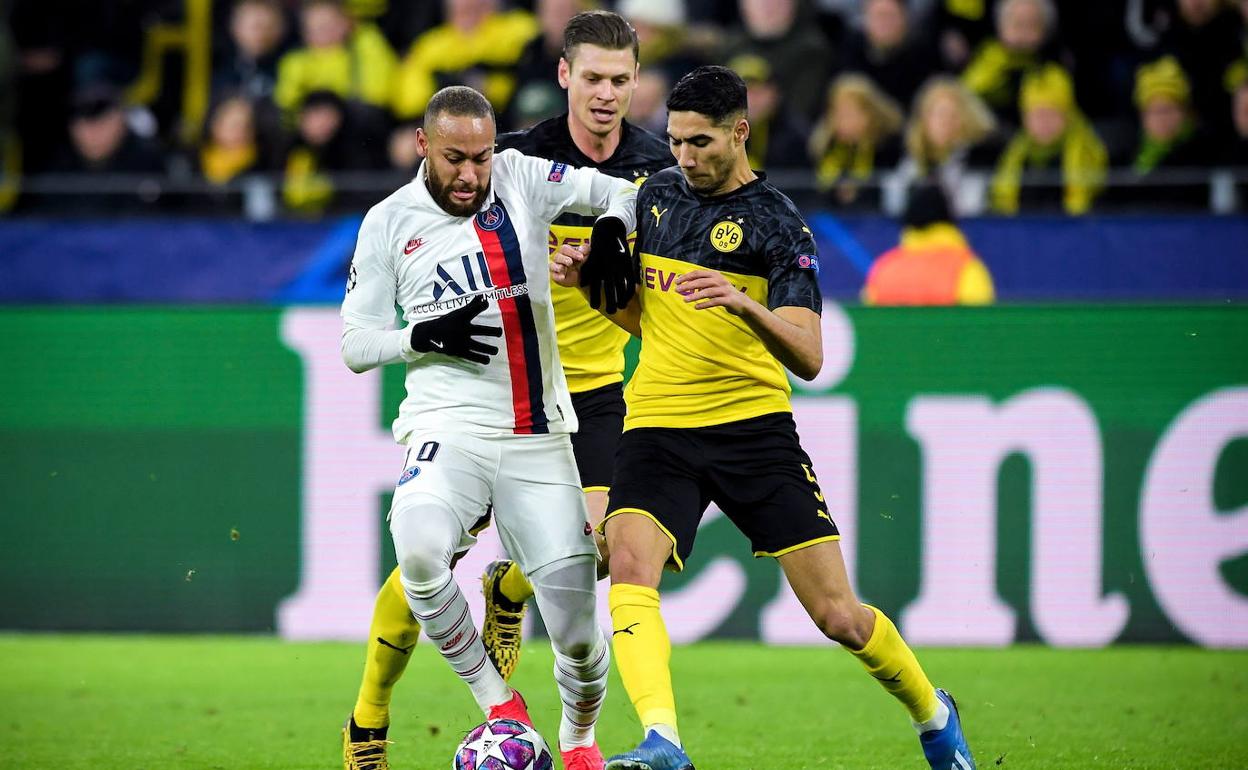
492	218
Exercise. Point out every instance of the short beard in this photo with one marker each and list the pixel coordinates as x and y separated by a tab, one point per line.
442	196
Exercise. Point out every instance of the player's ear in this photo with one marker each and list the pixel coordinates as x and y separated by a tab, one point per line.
741	131
565	72
422	142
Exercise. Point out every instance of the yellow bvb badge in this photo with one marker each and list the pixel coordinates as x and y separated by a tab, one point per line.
726	236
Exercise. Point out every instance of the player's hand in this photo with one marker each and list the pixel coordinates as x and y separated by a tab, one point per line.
453	334
608	269
565	265
710	289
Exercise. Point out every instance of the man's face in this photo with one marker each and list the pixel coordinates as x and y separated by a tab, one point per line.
458	151
325	26
1022	27
319	124
706	152
600	84
768	19
1198	13
885	23
1045	124
98	137
256	28
1162	119
1240	113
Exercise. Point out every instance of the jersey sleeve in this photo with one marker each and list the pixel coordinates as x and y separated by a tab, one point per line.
793	266
552	188
371	280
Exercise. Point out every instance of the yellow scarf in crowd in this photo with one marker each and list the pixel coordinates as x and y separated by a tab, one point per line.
221	164
1083	163
854	160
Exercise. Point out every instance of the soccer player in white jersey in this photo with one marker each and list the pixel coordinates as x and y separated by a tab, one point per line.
461	250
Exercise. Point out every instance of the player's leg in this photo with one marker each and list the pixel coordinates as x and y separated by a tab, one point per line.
566	597
766	484
655	507
818	578
430	519
391	637
506	589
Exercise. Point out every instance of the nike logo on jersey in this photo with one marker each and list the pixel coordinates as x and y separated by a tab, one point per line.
436	344
658	215
626	630
413	244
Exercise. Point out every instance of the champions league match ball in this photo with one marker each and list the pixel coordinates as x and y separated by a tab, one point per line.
502	744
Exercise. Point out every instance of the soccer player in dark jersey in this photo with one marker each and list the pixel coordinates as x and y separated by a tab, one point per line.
599	70
727	299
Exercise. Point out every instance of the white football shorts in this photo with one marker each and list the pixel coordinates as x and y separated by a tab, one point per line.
530	482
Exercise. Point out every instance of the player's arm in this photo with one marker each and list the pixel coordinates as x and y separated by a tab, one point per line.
555	188
791	334
565	270
368	337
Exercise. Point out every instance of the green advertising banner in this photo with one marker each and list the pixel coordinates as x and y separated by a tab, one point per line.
1073	475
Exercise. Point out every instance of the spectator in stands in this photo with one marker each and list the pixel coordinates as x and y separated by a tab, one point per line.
325	143
1056	147
888	51
933	264
101	142
539	62
799	55
960	26
648	108
10	146
477	46
1171	149
776	138
667	42
1205	37
948	138
854	140
231	148
256	40
1024	41
1237	154
351	59
402	151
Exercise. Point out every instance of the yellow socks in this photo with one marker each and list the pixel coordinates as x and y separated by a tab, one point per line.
391	638
643	653
892	663
515	586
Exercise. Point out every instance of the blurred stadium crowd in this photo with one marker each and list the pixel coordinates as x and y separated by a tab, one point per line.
302	107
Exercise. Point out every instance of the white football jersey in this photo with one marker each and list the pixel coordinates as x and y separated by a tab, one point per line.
412	254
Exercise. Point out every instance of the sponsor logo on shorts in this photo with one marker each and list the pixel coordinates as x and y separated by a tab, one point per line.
557	170
408	475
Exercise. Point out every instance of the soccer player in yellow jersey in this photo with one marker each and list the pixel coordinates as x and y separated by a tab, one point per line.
727	299
599	70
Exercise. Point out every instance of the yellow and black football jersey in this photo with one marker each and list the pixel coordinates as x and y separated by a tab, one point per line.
590	346
707	367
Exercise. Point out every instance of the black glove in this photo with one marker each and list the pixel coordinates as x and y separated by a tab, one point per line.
608	268
453	333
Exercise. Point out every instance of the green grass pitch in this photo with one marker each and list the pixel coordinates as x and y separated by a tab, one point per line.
254	703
